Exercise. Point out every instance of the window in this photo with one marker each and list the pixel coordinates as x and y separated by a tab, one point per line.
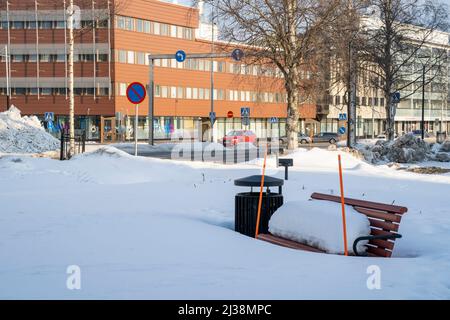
45	24
147	27
140	58
173	31
188	93
195	93
46	91
180	32
129	24
180	93
157	91
201	93
102	57
17	25
60	24
122	56
44	58
130	58
157	28
139	25
16	58
121	23
173	92
164	92
122	89
165	29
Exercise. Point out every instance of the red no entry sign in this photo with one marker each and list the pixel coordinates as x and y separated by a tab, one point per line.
230	114
136	93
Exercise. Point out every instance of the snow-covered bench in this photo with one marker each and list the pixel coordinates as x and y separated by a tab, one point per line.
384	220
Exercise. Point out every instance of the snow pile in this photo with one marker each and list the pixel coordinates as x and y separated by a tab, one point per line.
319	224
24	134
108	151
406	149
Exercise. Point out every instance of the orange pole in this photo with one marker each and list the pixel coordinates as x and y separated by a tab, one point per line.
344	224
258	217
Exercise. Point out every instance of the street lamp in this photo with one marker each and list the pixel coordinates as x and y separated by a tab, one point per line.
8	76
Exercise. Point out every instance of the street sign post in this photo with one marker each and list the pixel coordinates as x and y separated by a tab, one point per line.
136	94
180	56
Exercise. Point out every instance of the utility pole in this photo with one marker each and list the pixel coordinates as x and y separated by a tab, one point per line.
422	123
71	80
212	72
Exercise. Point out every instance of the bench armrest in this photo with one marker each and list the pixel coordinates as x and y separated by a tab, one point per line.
355	244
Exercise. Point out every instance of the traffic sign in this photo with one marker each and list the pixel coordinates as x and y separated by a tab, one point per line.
230	114
237	54
49	116
342	130
342	116
136	93
396	97
212	117
274	120
180	56
245	112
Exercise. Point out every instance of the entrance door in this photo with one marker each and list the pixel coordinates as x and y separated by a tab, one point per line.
108	130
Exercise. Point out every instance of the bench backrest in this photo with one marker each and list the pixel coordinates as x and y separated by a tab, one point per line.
384	220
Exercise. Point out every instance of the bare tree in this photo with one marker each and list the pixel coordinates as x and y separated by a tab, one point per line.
281	33
397	35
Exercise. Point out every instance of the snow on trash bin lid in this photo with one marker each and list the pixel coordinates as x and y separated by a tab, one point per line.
319	224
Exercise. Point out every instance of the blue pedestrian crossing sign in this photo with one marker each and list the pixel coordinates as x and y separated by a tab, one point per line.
396	97
180	56
342	116
274	120
212	117
49	116
342	130
245	112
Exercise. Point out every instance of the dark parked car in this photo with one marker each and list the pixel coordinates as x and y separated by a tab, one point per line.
239	136
418	133
326	137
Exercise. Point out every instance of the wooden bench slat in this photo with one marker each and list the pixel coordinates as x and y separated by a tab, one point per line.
379	215
383	244
383	225
379	252
361	203
378	232
287	243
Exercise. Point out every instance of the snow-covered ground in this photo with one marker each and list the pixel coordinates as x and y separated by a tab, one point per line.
161	229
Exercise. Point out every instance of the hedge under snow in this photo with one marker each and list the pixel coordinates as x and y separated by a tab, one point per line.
319	224
24	134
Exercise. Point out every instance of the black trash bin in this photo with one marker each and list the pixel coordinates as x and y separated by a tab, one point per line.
246	204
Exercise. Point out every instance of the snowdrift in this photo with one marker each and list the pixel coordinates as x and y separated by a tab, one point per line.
319	224
24	134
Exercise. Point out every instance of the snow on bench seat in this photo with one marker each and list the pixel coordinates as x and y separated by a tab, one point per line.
319	224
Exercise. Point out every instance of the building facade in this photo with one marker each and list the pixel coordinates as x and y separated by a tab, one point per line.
113	40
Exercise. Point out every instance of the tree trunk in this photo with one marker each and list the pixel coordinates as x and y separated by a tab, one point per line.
390	118
352	83
71	80
293	118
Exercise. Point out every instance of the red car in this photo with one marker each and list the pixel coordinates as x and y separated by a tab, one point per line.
239	136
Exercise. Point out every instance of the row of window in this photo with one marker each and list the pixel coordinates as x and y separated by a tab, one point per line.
56	58
61	24
360	101
155	28
56	91
172	92
141	58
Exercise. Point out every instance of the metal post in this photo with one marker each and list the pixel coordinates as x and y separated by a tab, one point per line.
136	130
151	101
349	97
212	72
8	89
422	123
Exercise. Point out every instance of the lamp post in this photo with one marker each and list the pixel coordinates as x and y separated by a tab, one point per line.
6	55
422	122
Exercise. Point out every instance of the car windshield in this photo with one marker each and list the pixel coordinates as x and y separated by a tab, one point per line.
235	133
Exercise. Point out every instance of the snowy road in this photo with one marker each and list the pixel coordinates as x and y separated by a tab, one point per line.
156	229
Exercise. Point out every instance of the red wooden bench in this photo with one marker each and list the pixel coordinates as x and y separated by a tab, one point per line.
384	224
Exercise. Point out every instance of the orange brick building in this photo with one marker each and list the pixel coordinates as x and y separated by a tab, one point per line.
115	53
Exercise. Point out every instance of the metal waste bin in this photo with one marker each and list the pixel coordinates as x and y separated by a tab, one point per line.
440	137
246	204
